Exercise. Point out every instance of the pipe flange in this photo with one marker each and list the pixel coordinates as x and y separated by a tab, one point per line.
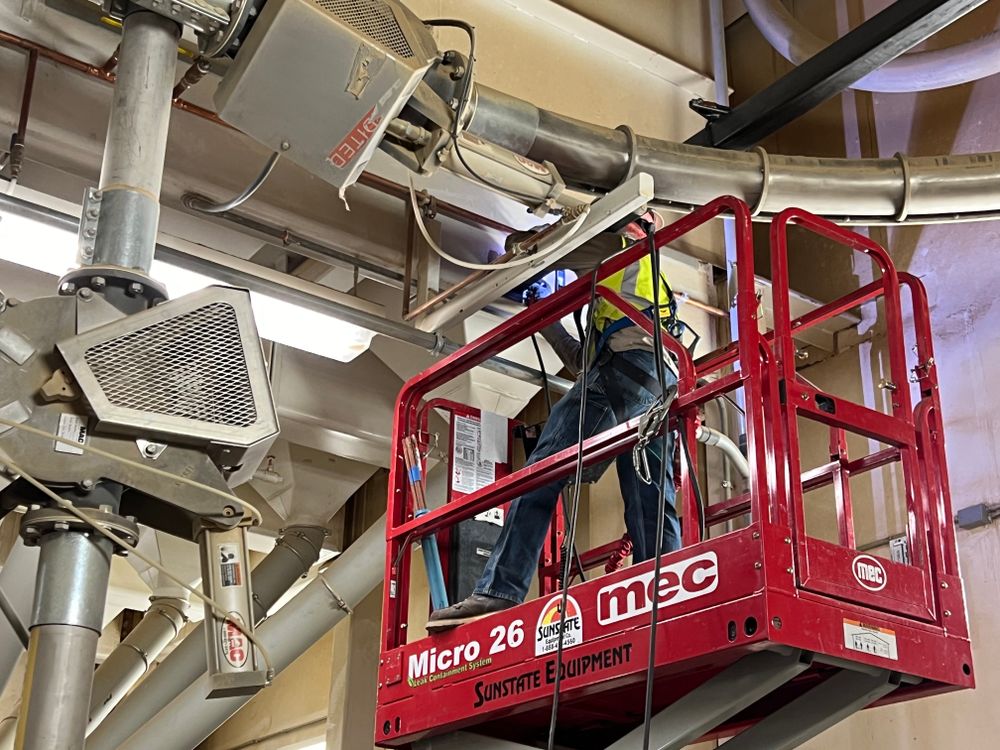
765	182
633	151
98	278
41	521
904	205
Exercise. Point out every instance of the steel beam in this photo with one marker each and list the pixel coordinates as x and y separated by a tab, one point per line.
883	37
812	713
711	703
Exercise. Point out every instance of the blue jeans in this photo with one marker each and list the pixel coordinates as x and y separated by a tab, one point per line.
514	560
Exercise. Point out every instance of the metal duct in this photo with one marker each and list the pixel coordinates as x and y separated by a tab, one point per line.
286	635
916	190
915	71
292	556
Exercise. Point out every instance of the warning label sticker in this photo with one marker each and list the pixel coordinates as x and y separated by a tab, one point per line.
71	427
229	562
869	639
469	470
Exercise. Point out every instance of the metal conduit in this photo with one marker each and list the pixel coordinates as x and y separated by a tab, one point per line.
266	282
287	634
916	190
915	71
293	554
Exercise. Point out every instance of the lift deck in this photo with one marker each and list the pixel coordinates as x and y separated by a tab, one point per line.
764	632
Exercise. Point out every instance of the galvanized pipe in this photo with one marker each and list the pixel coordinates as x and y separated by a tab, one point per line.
286	635
295	551
136	143
133	657
871	191
70	592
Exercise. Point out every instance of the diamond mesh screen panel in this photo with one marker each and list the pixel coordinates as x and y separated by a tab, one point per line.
372	18
191	366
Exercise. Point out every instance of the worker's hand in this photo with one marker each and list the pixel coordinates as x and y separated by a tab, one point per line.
537	291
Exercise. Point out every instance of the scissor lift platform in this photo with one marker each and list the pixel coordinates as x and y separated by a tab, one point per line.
764	632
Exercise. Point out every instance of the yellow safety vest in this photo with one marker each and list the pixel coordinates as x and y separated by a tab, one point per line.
635	285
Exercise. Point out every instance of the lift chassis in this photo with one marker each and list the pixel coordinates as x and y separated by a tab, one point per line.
764	632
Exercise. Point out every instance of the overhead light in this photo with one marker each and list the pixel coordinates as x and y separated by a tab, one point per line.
52	250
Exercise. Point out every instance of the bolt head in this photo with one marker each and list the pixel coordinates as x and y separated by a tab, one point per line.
85	294
789	571
135	288
89	232
944	584
150	450
947	613
60	526
758	565
87	484
285	145
98	282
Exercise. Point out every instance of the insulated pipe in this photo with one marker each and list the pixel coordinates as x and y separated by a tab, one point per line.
710	436
871	191
294	553
133	657
136	143
286	635
915	71
17	586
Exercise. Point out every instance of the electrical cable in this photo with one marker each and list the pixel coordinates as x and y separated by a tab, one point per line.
545	377
207	207
254	513
574	514
72	509
463	104
418	217
548	408
661	504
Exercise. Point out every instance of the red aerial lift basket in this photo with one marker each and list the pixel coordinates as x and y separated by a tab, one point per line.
764	632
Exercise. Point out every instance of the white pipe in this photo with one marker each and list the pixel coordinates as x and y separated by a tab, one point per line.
292	556
126	665
916	71
189	719
710	436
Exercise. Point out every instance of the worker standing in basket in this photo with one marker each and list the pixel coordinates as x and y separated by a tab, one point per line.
621	383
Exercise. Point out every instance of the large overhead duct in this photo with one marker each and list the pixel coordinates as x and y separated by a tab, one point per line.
286	635
873	191
916	71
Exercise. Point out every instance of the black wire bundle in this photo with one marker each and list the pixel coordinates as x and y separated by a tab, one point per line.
574	513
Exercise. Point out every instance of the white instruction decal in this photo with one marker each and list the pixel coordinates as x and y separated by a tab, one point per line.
493	516
469	471
869	639
71	427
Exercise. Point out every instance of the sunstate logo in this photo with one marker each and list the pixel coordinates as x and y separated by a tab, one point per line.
549	622
679	582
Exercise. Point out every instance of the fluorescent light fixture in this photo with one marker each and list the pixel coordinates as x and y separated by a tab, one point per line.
53	251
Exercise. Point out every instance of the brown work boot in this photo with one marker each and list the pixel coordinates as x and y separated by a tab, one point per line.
473	608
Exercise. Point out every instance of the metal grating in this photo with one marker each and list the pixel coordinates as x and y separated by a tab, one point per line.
374	19
190	367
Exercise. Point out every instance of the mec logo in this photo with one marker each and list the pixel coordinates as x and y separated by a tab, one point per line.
869	572
679	582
